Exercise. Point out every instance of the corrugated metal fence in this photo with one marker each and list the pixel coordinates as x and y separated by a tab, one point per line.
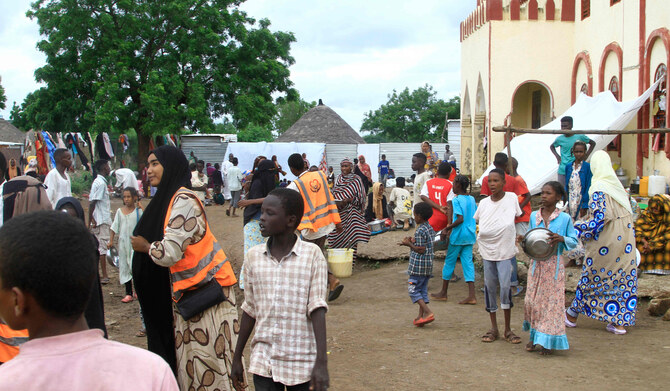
211	149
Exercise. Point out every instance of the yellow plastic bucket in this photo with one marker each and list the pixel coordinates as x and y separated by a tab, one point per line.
340	261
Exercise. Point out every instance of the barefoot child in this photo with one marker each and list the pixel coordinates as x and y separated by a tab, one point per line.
125	220
421	262
497	247
545	297
44	287
285	284
461	239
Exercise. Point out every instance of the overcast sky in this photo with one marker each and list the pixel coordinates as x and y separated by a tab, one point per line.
350	53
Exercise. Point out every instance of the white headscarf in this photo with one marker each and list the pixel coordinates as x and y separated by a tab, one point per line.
605	180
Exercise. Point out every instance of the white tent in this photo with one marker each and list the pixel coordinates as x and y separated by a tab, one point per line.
537	165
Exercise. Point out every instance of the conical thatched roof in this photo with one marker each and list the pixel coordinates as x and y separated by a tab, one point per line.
9	133
321	124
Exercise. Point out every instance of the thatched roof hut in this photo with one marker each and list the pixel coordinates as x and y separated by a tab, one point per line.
321	124
10	134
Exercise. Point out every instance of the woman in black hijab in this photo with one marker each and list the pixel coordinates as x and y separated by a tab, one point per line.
152	282
95	310
263	182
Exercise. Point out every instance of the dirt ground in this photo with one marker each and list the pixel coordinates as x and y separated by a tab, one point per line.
374	346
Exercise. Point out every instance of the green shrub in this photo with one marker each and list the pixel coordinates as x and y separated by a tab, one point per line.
81	182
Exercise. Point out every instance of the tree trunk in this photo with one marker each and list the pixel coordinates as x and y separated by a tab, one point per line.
142	147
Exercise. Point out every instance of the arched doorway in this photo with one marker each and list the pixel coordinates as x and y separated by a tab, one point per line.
466	134
532	105
480	139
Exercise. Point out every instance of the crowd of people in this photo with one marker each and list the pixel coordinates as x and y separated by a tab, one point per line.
169	260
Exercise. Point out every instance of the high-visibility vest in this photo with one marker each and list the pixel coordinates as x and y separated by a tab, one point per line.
201	261
10	341
320	208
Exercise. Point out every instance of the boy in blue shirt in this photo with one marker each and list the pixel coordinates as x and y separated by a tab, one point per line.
462	236
421	262
565	143
383	169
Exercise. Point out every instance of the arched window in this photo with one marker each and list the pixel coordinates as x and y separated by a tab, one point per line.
659	99
614	87
584	89
615	145
659	108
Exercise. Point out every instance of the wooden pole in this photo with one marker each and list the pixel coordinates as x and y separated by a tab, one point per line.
558	131
508	138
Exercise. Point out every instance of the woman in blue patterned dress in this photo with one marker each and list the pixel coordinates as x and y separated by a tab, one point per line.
607	290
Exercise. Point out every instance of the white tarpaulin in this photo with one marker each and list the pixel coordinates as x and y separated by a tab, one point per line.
247	152
537	165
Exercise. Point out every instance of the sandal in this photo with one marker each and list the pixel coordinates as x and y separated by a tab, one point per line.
335	293
425	321
512	338
610	327
490	336
141	333
568	323
104	281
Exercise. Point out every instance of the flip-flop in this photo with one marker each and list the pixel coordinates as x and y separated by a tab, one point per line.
335	293
104	281
568	323
610	327
517	290
425	321
141	333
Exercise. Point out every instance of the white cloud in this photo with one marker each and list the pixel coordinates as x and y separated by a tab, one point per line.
350	53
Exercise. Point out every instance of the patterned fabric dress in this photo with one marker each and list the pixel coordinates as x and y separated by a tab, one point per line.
575	193
545	294
355	229
574	200
205	344
655	229
607	290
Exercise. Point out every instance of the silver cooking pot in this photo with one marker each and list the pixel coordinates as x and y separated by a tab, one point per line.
536	244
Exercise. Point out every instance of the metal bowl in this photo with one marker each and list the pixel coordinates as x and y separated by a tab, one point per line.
376	225
113	257
536	244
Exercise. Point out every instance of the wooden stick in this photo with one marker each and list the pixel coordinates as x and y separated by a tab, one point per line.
508	137
558	131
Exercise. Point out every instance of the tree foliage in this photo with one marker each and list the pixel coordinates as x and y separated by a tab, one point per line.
289	112
411	116
254	133
3	98
155	66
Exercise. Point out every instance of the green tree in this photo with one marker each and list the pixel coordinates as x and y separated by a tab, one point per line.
226	127
3	98
254	133
411	116
375	138
289	112
156	66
